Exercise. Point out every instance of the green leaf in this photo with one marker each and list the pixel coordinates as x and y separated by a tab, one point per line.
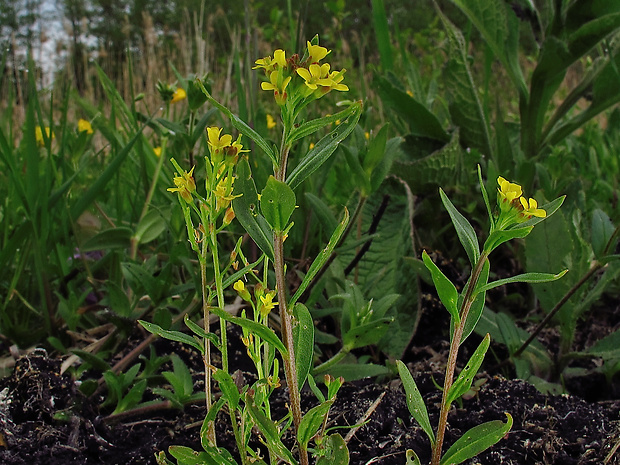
200	332
228	387
246	209
303	340
114	238
376	150
324	148
466	110
415	402
336	451
464	230
310	127
447	292
523	278
277	202
382	33
270	431
150	227
366	334
608	347
322	257
412	458
476	440
424	170
260	330
118	300
383	167
462	384
496	238
499	27
93	359
312	421
132	398
207	423
242	126
172	335
421	121
602	230
322	211
477	307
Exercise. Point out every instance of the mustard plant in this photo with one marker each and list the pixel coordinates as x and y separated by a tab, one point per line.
514	217
230	192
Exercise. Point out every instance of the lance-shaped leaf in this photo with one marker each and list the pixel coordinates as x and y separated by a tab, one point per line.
303	340
462	384
447	292
246	209
277	202
366	334
464	229
415	402
322	258
260	330
241	126
523	278
412	458
270	432
496	238
310	127
476	440
228	387
174	335
324	148
312	421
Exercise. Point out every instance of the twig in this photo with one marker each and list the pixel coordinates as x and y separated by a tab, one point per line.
360	422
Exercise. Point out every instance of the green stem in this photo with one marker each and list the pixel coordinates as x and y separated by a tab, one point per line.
207	355
342	353
468	300
219	289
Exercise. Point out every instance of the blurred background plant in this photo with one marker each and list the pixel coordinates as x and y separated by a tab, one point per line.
90	240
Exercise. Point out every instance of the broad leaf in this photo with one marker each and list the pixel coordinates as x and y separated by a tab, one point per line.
303	340
447	292
277	202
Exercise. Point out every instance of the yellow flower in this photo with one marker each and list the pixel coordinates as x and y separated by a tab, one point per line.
157	151
367	135
316	52
335	79
531	208
267	63
508	192
185	185
84	125
239	286
271	123
315	75
223	193
266	303
278	84
216	142
279	56
178	95
38	135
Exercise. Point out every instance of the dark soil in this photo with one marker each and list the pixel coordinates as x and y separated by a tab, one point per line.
44	419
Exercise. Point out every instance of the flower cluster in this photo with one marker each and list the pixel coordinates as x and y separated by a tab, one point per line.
308	74
514	208
184	185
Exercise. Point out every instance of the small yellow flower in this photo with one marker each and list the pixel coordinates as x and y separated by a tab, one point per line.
278	84
267	63
315	75
311	146
178	95
84	126
38	135
508	192
217	142
409	93
239	286
266	303
271	123
531	208
185	185
279	56
335	79
316	52
367	135
223	193
157	151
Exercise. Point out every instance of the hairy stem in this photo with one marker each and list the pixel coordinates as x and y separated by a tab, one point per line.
468	300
